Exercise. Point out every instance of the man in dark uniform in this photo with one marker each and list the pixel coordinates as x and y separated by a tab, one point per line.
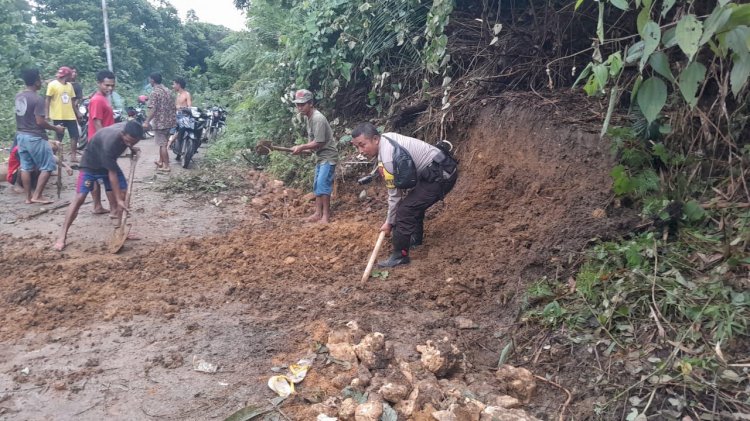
435	173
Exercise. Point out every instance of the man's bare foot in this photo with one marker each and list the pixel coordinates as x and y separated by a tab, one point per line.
59	245
100	211
41	200
163	169
17	189
323	220
133	236
313	218
158	164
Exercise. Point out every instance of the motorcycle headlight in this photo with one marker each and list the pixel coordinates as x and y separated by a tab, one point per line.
82	109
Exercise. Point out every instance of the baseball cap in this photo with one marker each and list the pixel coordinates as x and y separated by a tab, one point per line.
302	96
64	71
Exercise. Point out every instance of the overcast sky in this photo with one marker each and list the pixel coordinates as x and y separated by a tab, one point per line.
219	12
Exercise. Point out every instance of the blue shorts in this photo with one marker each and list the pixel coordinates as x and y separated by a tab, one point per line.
323	184
35	153
86	181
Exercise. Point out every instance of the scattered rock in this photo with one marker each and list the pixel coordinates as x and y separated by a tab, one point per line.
342	380
441	358
518	382
465	323
347	409
289	260
342	351
370	411
394	392
277	183
258	202
496	413
599	213
508	402
373	351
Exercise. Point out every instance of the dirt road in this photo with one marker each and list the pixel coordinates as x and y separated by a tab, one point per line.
88	335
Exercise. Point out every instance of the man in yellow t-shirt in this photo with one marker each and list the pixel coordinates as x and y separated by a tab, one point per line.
59	104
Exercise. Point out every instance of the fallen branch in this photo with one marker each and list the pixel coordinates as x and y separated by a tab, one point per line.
44	210
567	392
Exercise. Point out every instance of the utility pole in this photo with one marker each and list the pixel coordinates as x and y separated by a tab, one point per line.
106	35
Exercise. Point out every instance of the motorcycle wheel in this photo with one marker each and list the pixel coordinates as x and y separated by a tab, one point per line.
188	149
212	133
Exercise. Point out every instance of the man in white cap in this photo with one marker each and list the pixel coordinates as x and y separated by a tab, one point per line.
320	141
59	106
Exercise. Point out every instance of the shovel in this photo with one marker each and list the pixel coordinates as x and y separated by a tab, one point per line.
373	256
122	230
264	147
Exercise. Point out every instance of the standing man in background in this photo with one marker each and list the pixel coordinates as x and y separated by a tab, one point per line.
59	108
320	141
101	115
184	99
35	152
161	117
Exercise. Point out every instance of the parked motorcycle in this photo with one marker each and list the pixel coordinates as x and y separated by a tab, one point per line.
83	123
216	124
190	125
138	114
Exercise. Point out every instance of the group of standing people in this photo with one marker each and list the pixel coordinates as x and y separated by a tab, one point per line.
416	174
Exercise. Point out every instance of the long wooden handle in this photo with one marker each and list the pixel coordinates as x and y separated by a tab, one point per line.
131	176
280	148
373	256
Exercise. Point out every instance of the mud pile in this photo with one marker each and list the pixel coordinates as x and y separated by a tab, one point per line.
530	196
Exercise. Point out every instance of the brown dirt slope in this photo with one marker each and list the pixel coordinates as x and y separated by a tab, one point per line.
522	209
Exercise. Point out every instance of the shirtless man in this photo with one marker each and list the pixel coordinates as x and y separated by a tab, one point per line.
183	100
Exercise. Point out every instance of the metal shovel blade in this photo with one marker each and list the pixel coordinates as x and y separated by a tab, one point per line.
118	238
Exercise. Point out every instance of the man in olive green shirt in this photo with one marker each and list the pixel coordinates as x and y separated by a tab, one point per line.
320	141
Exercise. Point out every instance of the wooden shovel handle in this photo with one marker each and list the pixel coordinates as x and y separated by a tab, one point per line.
279	148
373	256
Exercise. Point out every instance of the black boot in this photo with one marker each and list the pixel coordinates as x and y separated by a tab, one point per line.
416	237
400	254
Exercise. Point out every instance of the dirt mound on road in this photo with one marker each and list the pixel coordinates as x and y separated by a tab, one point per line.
530	196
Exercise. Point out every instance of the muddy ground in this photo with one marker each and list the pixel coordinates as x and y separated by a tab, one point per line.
248	286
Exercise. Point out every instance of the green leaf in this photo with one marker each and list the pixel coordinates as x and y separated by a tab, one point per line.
584	73
615	64
505	353
690	80
647	3
660	63
688	32
591	87
612	100
601	73
248	413
578	4
636	86
651	37
634	52
716	20
693	211
346	71
644	16
666	7
740	72
652	96
668	38
621	4
740	16
738	39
